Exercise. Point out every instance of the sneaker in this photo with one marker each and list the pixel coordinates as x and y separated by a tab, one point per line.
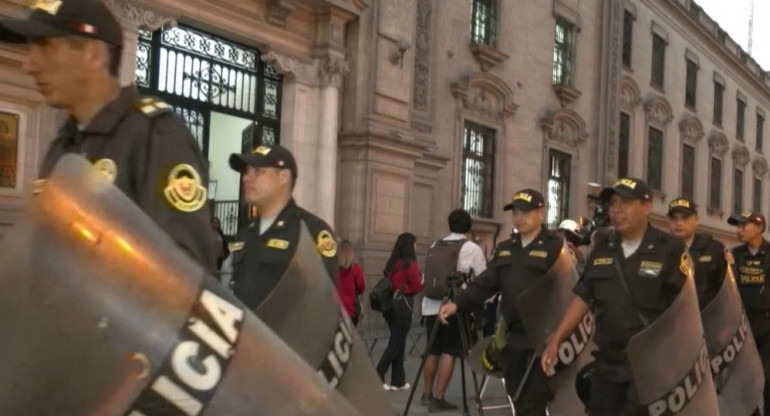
406	386
387	387
426	399
440	405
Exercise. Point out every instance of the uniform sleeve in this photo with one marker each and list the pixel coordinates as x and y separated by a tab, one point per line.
719	255
679	262
326	244
358	279
583	288
173	188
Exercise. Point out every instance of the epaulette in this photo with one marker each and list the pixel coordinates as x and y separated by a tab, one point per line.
152	106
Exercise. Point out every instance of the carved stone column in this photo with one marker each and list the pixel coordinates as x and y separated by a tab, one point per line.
132	18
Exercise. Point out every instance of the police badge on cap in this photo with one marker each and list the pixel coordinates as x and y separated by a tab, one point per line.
525	200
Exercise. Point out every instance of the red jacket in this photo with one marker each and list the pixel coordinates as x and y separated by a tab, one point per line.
350	284
410	274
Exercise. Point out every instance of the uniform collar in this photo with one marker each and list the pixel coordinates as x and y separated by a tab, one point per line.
700	241
516	239
108	117
648	240
280	219
764	247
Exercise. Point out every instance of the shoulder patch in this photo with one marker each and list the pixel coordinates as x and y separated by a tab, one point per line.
184	190
729	257
107	168
326	244
152	106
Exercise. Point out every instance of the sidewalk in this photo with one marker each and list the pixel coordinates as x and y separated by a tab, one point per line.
494	394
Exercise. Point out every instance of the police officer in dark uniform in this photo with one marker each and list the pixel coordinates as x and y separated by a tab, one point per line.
708	254
135	142
752	267
651	262
262	251
517	263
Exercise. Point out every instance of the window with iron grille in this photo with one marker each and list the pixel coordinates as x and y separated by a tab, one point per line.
756	203
760	130
623	141
563	49
478	170
691	84
484	22
737	190
719	91
740	119
658	61
655	158
688	172
715	184
558	187
628	34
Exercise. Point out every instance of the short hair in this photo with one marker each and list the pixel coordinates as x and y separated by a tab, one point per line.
459	221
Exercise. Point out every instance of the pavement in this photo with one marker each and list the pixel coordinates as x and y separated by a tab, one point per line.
494	394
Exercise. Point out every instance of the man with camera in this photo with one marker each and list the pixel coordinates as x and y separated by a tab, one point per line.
518	263
447	343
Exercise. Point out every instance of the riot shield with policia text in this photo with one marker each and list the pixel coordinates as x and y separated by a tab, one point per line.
303	310
669	361
541	307
735	362
105	315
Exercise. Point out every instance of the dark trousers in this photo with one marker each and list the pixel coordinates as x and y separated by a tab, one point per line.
535	393
760	327
611	397
399	321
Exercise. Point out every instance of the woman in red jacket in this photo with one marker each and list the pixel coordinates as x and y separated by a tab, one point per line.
351	281
405	278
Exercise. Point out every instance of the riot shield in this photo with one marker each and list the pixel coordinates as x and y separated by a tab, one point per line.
541	308
735	362
104	315
303	306
669	361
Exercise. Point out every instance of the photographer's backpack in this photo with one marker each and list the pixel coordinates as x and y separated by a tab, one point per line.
440	262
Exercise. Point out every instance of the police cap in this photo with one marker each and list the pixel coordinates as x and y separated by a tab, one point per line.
273	156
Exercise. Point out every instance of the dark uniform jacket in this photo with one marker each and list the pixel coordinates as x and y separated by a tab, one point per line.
654	276
512	270
751	272
148	153
708	257
259	261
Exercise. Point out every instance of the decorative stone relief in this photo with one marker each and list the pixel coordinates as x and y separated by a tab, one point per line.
332	70
486	95
630	95
658	110
422	56
718	143
740	155
326	71
691	129
611	72
565	126
139	17
759	164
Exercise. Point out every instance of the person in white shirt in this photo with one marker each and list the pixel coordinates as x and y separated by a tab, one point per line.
447	344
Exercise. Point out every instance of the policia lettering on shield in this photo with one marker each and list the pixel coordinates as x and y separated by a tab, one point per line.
752	267
262	251
138	143
654	265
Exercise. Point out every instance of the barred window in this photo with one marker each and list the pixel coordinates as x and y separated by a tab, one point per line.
738	190
478	171
760	130
655	158
623	142
658	61
628	34
484	22
719	91
564	45
739	119
558	187
691	84
715	184
688	172
757	201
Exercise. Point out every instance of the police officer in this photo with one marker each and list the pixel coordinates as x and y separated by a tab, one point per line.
651	278
262	251
517	263
752	266
708	254
135	142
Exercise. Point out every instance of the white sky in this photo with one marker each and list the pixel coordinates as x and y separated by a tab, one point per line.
733	17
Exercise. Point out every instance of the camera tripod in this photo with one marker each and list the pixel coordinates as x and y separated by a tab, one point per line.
466	338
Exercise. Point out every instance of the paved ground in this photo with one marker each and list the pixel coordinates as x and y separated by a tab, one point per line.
493	395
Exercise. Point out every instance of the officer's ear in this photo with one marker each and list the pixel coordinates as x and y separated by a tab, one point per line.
286	179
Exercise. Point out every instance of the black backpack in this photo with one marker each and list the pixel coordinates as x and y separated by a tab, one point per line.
381	296
441	262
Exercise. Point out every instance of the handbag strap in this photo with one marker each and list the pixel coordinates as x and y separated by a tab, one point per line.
631	298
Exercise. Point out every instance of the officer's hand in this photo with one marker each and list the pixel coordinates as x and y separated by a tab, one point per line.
448	309
548	359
